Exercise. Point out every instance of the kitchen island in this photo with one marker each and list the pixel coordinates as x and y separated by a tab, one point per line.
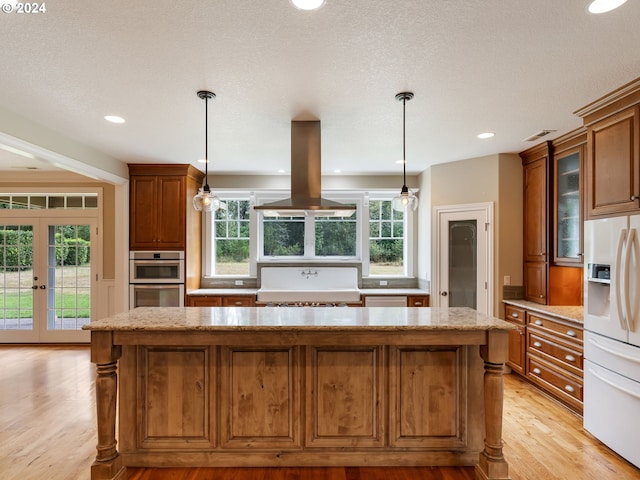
310	386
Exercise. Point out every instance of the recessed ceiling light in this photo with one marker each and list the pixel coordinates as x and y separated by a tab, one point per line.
307	4
337	170
281	171
603	6
486	135
203	160
114	119
400	162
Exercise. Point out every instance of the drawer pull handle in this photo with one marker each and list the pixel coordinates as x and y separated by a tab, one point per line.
418	304
570	358
537	371
239	303
569	388
538	322
514	314
571	333
537	344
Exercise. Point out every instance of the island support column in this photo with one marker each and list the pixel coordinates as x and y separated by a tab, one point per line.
108	464
492	465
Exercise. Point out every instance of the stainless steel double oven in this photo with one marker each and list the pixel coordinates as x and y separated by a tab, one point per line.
156	279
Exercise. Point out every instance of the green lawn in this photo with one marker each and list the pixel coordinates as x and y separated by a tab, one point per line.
20	305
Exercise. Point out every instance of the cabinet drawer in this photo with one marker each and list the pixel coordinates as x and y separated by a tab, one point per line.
418	301
555	380
239	301
547	348
566	331
203	301
514	314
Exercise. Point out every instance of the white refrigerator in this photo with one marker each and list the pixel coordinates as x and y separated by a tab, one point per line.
612	333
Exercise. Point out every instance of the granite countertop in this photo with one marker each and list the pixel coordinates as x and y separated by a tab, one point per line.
299	318
572	313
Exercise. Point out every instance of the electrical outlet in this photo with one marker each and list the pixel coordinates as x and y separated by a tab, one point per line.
239	282
507	280
383	283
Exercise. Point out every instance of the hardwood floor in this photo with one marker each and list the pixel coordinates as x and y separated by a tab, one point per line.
47	432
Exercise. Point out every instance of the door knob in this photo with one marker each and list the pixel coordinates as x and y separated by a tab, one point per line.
444	294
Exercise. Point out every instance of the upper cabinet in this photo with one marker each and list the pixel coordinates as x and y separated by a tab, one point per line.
535	162
160	197
568	197
613	155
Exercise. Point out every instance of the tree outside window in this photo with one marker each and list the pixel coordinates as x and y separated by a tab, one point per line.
231	225
386	239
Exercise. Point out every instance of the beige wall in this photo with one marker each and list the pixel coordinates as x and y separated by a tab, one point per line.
494	178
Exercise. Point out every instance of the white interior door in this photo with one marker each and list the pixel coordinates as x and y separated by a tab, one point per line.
47	280
463	257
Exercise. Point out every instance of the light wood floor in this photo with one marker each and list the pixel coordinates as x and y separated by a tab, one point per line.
47	432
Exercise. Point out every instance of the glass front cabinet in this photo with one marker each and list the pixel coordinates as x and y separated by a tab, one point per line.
568	202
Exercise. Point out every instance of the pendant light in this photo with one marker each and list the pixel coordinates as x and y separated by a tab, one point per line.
405	198
205	200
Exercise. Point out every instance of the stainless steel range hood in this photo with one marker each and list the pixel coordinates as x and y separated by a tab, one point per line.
306	183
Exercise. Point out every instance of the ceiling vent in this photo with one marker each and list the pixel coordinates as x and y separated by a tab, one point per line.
536	136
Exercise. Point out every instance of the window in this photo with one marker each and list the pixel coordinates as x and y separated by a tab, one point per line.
238	237
386	239
231	239
40	201
310	237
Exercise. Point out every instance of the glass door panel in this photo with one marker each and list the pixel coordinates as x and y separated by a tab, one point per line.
463	265
16	302
68	286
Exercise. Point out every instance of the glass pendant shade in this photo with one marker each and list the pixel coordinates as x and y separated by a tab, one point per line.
205	200
404	200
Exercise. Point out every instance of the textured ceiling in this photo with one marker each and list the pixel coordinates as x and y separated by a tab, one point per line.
511	67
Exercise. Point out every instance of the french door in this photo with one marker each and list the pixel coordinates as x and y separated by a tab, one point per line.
46	279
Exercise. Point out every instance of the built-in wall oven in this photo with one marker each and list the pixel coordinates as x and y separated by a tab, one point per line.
156	279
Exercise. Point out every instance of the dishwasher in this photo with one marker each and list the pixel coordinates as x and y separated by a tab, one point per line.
385	301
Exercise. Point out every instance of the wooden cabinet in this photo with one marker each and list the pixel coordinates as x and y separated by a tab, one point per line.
613	152
517	338
568	197
221	300
554	357
535	162
160	201
553	212
548	351
418	301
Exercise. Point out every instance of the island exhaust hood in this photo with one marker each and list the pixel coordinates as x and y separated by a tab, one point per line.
306	183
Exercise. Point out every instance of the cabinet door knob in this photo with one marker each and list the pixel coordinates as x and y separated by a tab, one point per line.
569	388
537	344
571	333
570	358
634	197
537	371
514	315
538	322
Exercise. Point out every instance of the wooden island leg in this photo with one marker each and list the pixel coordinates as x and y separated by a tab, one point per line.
108	464
492	465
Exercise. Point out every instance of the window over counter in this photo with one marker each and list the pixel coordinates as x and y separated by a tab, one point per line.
237	236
